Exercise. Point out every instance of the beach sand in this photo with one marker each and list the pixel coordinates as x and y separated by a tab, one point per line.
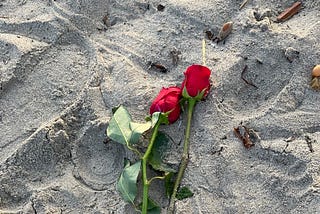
64	64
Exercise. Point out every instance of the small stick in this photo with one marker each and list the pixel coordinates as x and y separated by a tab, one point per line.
289	12
203	52
243	4
246	81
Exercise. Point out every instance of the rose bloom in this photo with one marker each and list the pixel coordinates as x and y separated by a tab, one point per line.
197	78
167	100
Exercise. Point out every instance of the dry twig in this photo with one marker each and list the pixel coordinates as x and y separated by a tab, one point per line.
246	81
243	4
289	12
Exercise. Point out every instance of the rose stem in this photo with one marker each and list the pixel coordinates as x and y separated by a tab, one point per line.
145	157
185	155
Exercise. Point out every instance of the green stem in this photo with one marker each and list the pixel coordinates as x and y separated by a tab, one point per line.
157	177
145	157
185	155
134	150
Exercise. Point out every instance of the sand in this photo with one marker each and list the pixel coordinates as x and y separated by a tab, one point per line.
66	64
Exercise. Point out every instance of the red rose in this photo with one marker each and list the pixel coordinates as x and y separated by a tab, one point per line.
196	80
167	100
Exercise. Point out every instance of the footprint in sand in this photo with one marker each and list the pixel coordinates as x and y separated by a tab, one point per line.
97	165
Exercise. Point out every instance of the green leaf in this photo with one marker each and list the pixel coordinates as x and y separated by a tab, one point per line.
158	151
122	130
197	98
126	163
127	184
153	207
119	126
183	193
169	184
155	117
158	117
185	93
163	117
114	109
137	129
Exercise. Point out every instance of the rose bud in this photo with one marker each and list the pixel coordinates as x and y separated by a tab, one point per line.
167	101
196	82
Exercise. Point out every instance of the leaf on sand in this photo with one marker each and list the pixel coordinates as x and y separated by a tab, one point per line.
121	129
127	184
183	193
158	151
